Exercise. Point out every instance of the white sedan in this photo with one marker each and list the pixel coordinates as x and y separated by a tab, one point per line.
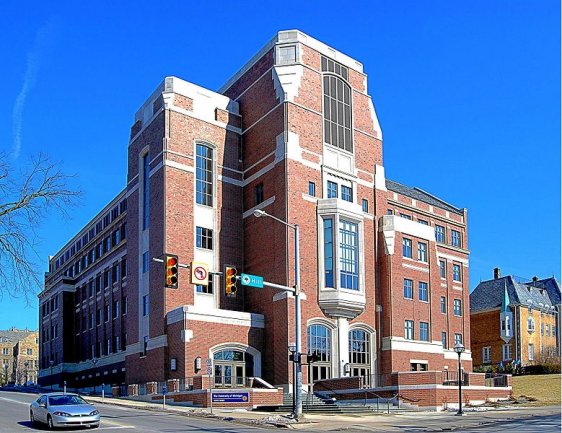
64	410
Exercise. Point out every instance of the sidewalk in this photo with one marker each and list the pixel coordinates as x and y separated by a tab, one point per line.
421	421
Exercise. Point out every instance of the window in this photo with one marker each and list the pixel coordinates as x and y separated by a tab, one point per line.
444	339
107	346
115	273
389	212
205	289
554	330
337	113
424	331
422	291
506	352
542	328
145	262
349	255
408	289
458	339
5	351
29	351
319	339
422	252
486	355
107	313
115	309
443	304
145	345
442	269
457	273
145	192
365	205
407	248
204	238
328	65
98	317
455	238
423	222
204	175
328	253
530	324
439	233
457	308
346	193
418	366
258	193
124	305
312	189
548	330
286	55
123	268
145	305
359	353
531	352
409	329
332	189
405	216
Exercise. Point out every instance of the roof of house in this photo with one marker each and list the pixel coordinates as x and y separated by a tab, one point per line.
489	294
421	195
14	335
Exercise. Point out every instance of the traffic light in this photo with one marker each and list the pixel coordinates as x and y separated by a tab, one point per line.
312	357
230	274
171	262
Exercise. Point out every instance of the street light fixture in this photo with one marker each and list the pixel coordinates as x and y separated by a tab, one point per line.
297	406
459	348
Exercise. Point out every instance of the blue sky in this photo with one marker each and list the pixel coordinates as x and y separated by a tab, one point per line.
467	94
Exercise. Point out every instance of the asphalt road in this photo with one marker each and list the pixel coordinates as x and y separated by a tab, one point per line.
14	417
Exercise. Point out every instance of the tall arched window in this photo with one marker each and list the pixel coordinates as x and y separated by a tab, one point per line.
337	113
360	354
320	342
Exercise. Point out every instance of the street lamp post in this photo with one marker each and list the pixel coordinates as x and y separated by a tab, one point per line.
94	362
51	362
297	406
26	364
459	348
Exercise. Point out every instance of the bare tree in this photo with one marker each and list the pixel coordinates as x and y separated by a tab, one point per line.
27	196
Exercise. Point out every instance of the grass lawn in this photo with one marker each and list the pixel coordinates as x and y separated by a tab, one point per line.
545	388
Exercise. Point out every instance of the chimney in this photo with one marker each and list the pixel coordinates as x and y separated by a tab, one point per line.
497	273
535	279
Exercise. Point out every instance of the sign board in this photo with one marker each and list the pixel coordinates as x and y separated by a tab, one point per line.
209	370
209	362
251	280
230	397
199	273
164	390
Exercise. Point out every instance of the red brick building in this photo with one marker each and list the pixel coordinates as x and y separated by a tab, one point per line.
294	133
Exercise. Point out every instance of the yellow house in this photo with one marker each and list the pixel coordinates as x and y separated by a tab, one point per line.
515	322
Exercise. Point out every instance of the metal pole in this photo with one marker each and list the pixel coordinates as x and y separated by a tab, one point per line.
460	412
102	391
298	397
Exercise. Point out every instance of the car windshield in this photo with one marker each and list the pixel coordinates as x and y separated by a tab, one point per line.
63	400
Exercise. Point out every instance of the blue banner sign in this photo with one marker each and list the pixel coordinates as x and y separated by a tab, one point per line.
230	397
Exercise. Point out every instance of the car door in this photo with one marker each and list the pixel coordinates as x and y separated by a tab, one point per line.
41	410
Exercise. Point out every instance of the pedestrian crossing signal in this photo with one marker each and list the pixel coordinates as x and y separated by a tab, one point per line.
230	274
171	263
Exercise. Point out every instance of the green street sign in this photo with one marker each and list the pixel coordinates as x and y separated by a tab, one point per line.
251	280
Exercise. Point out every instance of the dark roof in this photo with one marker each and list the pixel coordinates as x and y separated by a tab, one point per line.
421	195
489	294
13	336
552	287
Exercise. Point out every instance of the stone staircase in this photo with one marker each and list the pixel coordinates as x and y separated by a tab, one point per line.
314	403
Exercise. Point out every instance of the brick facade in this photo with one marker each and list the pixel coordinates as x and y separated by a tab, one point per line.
199	164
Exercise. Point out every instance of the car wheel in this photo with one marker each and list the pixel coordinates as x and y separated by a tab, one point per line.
50	423
31	417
